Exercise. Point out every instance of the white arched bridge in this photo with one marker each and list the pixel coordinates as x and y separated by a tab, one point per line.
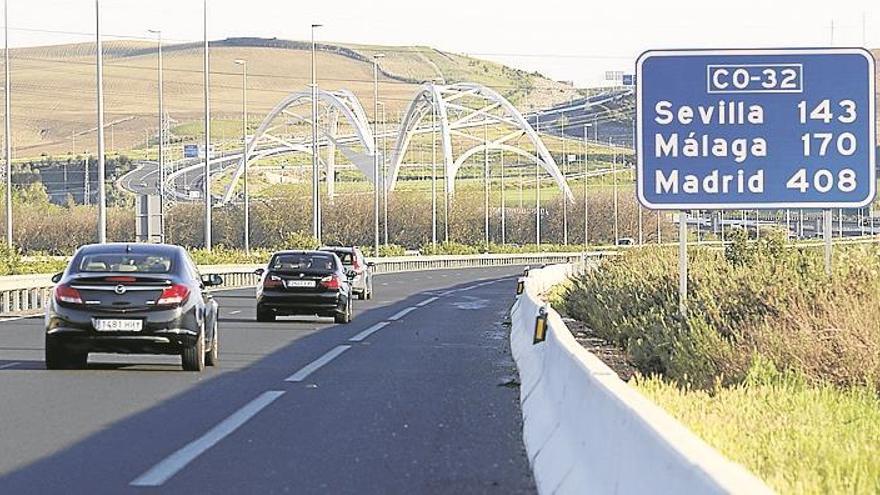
458	114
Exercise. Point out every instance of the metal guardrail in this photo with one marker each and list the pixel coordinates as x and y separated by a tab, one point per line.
26	294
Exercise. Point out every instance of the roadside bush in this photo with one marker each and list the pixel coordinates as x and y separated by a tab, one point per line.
753	299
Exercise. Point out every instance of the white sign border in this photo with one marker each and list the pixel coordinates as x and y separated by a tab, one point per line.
872	103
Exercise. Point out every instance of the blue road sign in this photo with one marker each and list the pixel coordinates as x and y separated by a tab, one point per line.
190	151
741	129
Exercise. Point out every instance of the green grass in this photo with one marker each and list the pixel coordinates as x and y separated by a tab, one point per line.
799	438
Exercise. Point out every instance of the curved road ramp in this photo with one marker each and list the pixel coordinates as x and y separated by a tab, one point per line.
586	431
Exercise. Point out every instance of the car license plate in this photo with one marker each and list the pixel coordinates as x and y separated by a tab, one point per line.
299	283
105	325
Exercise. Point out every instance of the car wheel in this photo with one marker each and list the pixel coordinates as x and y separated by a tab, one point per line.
344	317
193	356
58	358
264	315
212	357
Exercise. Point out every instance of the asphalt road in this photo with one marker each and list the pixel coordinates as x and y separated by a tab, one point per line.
141	180
411	397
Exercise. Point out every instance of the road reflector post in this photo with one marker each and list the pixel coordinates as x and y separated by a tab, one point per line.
520	286
541	325
526	271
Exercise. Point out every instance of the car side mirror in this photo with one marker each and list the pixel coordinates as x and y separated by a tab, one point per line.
350	274
259	272
57	277
212	280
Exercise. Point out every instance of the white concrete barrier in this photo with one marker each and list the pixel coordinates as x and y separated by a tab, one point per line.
586	431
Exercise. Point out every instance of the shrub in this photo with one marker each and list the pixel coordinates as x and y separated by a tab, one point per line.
754	299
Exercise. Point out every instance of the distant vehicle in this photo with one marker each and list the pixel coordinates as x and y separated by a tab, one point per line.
353	259
132	298
304	283
625	241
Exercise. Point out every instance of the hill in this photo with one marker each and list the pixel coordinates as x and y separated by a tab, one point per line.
53	96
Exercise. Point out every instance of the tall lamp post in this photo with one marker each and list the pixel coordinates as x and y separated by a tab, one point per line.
434	172
102	190
8	124
161	160
206	69
384	172
586	179
244	155
316	199
376	58
537	182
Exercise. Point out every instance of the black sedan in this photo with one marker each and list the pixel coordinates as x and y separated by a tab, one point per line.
132	299
304	283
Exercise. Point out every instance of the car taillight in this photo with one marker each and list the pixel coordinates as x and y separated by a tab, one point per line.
356	265
67	294
272	281
330	282
173	295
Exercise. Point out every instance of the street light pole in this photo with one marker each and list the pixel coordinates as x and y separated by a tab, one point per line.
8	124
316	200
384	176
207	83
586	178
102	190
376	58
537	182
486	183
161	160
244	156
503	203
434	172
565	175
614	187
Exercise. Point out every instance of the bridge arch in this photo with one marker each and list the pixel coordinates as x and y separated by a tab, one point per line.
457	108
342	105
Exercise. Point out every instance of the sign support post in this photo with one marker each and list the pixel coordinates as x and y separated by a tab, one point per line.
682	263
826	234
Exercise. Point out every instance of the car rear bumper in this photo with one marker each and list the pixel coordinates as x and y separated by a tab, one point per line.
327	303
164	331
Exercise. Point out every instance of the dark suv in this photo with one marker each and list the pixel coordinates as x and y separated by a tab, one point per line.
132	298
304	283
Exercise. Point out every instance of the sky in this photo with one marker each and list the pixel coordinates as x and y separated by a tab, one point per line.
565	40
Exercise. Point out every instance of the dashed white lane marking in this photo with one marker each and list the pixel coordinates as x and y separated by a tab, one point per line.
171	465
7	365
235	312
310	368
370	331
427	301
400	314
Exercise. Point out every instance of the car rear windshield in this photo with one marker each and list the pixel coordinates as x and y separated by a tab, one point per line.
295	262
345	257
126	263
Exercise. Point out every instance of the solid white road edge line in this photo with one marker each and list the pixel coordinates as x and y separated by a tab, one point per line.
400	314
310	368
427	301
171	465
370	331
